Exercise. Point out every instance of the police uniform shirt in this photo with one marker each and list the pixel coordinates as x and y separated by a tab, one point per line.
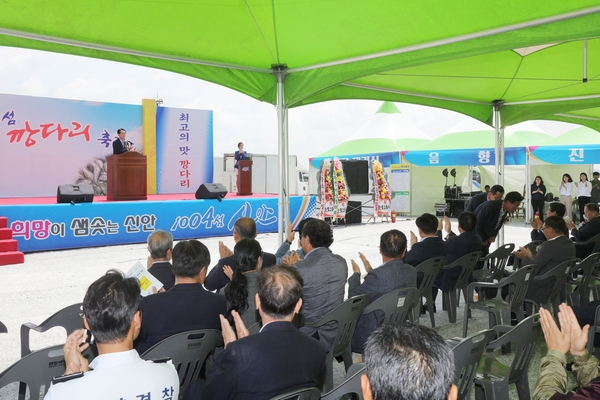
122	375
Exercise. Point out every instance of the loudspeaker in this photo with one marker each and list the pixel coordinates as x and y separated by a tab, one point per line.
75	194
357	175
211	191
354	212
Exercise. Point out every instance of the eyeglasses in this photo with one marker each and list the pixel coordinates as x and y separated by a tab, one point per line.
544	228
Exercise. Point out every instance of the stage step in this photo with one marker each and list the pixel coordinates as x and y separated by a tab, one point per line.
9	253
6	233
12	257
8	245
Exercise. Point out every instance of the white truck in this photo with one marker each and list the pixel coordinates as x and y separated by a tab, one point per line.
265	169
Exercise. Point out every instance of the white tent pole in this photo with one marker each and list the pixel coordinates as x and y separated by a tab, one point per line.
499	158
283	209
528	207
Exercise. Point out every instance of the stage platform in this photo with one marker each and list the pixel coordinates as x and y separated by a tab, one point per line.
39	224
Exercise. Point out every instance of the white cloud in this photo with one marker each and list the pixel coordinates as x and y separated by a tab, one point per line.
33	87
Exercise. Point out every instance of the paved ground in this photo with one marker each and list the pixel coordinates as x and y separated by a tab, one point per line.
49	281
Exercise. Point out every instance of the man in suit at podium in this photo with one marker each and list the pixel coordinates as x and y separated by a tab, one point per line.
120	145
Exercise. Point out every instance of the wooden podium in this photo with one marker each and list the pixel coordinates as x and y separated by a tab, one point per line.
126	177
244	178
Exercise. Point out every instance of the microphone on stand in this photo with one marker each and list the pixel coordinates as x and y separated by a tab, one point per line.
128	143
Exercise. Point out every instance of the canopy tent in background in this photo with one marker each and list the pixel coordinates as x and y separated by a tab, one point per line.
295	53
573	152
382	138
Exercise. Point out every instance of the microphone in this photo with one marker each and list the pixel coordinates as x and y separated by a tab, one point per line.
128	143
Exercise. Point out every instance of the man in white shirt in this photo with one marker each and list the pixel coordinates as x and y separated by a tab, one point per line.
111	313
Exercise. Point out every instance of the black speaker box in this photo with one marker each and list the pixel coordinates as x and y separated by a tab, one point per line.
357	175
211	191
75	194
354	212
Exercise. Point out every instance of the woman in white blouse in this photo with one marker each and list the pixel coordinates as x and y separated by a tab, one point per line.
566	190
584	193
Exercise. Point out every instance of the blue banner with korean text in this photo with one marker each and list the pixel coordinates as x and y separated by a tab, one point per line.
386	159
565	154
512	156
66	226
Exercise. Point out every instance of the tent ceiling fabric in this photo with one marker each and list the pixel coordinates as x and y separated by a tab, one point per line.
390	45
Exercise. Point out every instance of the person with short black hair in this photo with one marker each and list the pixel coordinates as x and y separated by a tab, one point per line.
554	208
587	230
390	275
584	193
243	228
492	215
239	155
458	245
486	188
324	275
408	362
111	313
429	245
160	246
284	249
495	193
278	359
554	251
120	145
188	305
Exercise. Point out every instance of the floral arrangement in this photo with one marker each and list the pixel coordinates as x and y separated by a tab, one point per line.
340	189
326	192
381	189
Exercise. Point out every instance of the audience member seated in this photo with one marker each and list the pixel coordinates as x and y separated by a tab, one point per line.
240	292
429	245
554	209
244	228
408	362
392	274
495	193
466	242
160	246
284	249
111	312
492	215
552	381
324	275
555	250
277	360
588	229
187	306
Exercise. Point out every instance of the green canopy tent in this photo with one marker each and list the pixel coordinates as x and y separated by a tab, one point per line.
292	53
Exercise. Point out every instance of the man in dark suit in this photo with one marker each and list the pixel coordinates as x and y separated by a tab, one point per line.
495	193
491	215
324	275
555	208
392	274
555	250
279	358
120	145
589	228
466	242
429	245
244	228
187	306
160	246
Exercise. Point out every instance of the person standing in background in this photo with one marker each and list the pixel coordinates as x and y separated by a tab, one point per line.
584	193
240	155
596	188
538	192
566	189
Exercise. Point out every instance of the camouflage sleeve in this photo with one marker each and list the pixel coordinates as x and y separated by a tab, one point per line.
553	376
585	368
